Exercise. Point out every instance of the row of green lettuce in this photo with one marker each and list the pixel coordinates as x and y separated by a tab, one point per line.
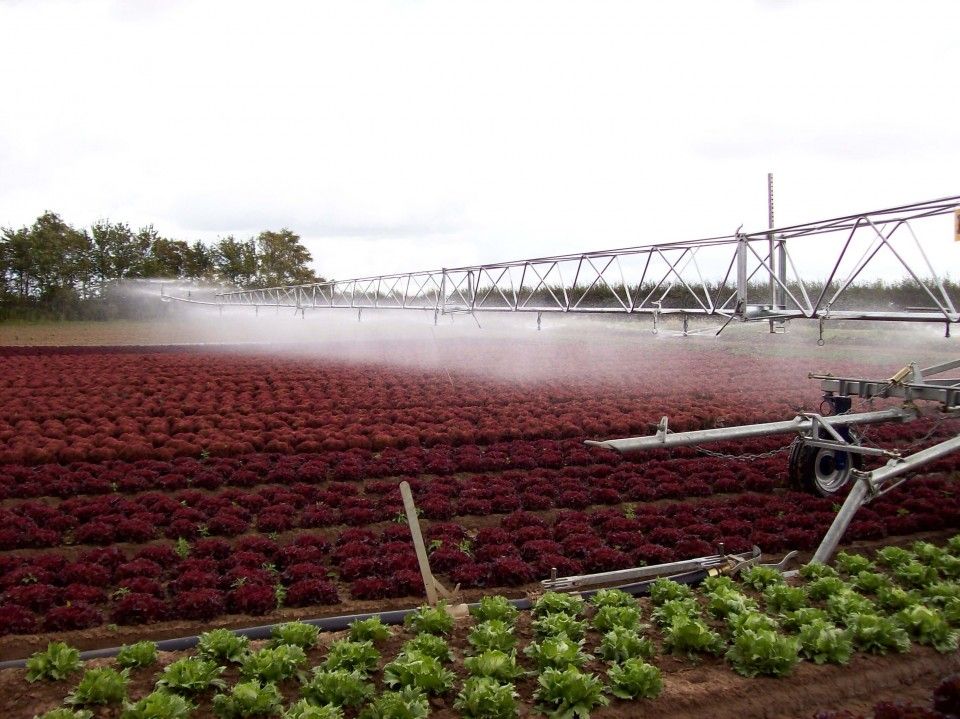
761	623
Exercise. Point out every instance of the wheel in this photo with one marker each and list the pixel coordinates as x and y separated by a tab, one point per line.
822	471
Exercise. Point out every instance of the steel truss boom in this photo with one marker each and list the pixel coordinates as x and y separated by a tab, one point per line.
660	279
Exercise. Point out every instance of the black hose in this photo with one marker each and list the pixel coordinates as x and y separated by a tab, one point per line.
335	624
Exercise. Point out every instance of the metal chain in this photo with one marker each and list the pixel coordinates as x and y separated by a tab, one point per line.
747	457
938	421
862	435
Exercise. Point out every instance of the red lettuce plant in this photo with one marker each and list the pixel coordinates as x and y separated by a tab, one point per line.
308	592
78	615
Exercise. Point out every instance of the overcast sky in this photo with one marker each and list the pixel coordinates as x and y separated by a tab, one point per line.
409	135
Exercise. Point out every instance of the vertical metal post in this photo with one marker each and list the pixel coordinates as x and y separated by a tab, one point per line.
772	253
778	263
741	275
443	291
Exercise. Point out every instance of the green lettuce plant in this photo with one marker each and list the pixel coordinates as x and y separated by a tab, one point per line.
101	685
612	598
763	652
877	635
843	605
305	710
419	671
928	553
691	636
273	664
795	620
673	608
352	656
620	644
558	603
140	654
66	713
784	598
56	662
894	557
949	566
408	703
724	602
825	643
719	583
369	630
430	620
159	704
191	675
893	599
222	645
557	652
753	621
826	587
760	577
492	634
248	699
551	625
295	634
915	574
431	645
939	593
870	582
339	687
852	564
927	626
664	590
817	570
566	693
485	698
494	665
495	607
609	617
635	679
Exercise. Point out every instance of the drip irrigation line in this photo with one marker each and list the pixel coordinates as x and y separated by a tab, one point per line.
339	623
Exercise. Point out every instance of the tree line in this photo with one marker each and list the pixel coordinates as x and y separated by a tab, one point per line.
51	269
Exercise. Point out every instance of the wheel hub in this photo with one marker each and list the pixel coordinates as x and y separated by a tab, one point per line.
832	470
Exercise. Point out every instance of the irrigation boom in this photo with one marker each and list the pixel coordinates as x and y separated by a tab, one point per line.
661	279
827	455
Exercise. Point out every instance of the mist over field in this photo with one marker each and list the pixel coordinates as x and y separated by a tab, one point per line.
581	349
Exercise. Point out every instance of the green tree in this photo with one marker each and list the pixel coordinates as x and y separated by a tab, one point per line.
18	263
199	262
167	258
235	260
118	253
282	259
61	257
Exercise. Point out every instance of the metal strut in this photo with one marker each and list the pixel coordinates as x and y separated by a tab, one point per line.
719	562
870	485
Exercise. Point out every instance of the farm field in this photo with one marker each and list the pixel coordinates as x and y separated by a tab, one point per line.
152	491
762	646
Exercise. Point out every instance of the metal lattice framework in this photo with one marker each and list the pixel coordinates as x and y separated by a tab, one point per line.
760	282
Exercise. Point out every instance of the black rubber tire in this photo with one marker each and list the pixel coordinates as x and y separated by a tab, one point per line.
804	465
